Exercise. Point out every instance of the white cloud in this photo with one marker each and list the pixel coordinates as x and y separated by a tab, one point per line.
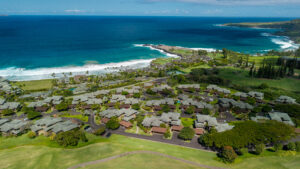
233	2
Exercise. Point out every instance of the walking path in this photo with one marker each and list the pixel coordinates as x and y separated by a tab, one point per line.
142	152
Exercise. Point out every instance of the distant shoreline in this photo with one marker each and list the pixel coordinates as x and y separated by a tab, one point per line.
290	29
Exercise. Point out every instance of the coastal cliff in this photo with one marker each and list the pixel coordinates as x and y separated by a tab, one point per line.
290	29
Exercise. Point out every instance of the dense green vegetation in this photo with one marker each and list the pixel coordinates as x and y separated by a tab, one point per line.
70	138
248	134
41	156
186	133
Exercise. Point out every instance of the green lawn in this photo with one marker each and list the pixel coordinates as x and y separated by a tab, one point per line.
35	85
35	155
238	76
143	161
79	116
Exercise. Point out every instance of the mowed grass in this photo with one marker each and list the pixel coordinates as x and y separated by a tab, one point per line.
144	161
35	85
37	156
239	76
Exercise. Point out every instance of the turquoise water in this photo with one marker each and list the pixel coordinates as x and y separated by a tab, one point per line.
33	47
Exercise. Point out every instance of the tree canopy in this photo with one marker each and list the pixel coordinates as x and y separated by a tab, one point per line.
248	134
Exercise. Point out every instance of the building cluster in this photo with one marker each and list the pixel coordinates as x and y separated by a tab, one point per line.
9	105
203	121
226	104
277	116
285	100
48	125
124	114
12	127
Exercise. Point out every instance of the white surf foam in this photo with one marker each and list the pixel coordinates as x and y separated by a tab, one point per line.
285	43
18	74
161	51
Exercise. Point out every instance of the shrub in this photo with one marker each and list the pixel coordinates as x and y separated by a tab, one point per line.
136	95
250	133
150	92
165	108
241	151
113	123
291	146
7	112
70	138
100	131
61	107
278	146
297	146
166	92
259	149
135	106
205	111
190	110
266	108
163	125
31	134
125	93
251	100
228	154
167	134
263	86
186	133
33	114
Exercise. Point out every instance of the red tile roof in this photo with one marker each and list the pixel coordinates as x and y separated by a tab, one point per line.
125	124
159	130
176	128
104	120
199	131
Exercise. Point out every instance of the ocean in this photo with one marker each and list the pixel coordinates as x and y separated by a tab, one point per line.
34	47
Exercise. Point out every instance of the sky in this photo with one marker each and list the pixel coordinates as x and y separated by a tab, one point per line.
225	8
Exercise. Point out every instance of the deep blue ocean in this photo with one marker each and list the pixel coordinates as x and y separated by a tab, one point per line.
32	47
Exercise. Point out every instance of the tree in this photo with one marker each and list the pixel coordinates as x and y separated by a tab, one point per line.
113	123
62	106
291	146
100	131
249	133
205	111
186	133
225	53
297	146
136	95
7	112
259	149
278	146
70	138
125	93
263	86
190	110
297	52
167	134
150	92
135	106
228	154
165	108
31	134
202	52
33	114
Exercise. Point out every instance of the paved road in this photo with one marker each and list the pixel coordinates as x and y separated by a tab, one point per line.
159	138
141	152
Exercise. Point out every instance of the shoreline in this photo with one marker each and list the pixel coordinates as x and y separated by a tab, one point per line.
288	29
